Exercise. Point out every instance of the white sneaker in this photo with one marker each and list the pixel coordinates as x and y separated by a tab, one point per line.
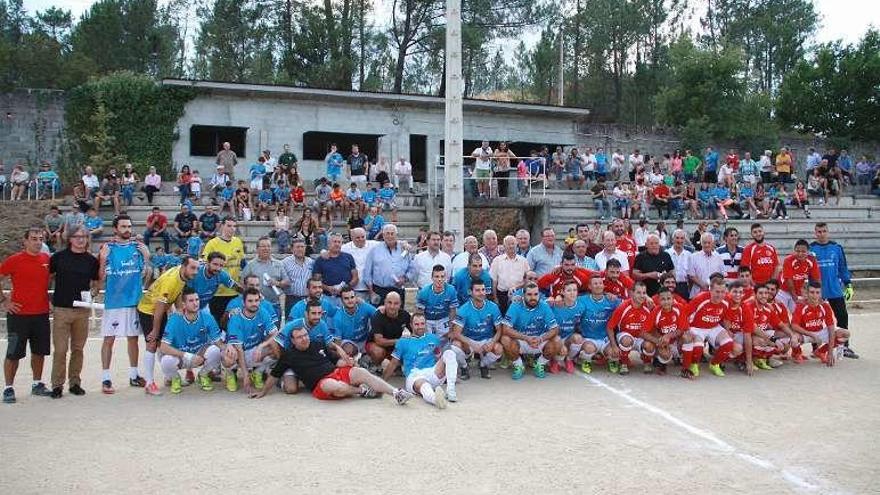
451	396
440	398
402	396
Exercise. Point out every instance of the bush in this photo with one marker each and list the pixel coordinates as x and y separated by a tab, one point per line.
141	119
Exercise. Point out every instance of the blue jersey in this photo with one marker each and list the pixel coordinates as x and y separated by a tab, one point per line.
319	333
299	309
386	194
596	315
832	267
478	324
369	196
249	332
721	193
706	196
532	322
417	353
352	326
282	194
191	336
462	283
265	196
334	163
227	193
353	194
93	223
124	268
257	171
206	287
601	161
194	246
436	306
238	302
569	317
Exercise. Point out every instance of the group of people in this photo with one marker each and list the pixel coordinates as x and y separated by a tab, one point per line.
336	324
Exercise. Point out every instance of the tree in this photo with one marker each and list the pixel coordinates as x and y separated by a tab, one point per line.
100	141
233	42
836	93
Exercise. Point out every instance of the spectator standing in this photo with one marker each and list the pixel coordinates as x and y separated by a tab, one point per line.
76	272
424	262
358	248
546	256
358	165
334	161
681	260
703	264
503	158
508	272
287	161
270	273
152	184
766	167
27	311
403	174
298	270
337	268
227	159
711	159
783	165
490	249
483	168
387	267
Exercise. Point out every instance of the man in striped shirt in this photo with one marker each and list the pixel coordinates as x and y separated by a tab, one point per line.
731	253
298	269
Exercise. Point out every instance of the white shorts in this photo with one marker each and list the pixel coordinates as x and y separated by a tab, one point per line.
249	360
819	338
675	353
601	344
257	184
525	348
120	322
426	374
361	179
637	341
438	327
388	205
475	344
701	335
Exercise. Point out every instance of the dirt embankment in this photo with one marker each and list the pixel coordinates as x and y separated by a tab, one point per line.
17	216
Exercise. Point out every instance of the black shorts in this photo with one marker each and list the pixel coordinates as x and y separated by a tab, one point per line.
27	328
710	177
146	323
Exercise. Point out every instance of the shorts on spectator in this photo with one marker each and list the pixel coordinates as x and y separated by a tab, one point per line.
388	205
23	329
426	374
482	173
120	322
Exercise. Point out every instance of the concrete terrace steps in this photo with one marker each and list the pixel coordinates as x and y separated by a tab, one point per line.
139	213
167	199
576	211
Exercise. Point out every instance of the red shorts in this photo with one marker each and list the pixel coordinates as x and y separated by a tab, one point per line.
341	374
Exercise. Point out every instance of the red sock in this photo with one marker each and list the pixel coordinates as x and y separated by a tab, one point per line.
722	353
796	351
686	358
624	357
647	359
697	355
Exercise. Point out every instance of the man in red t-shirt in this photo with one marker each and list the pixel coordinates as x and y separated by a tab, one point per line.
616	283
739	320
27	311
705	317
625	243
772	334
157	226
568	271
814	321
661	200
798	268
668	280
761	257
670	327
628	328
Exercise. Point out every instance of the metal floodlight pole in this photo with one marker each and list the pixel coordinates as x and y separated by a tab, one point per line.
453	195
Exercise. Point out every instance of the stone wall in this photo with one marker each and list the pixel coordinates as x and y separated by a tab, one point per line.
31	127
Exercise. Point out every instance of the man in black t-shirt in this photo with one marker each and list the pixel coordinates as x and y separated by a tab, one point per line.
184	226
208	223
387	327
358	166
650	265
76	271
327	375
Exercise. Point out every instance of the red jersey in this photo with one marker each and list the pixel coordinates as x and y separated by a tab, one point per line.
799	272
669	321
813	318
619	287
628	246
298	195
627	318
767	319
762	259
704	314
157	220
30	281
781	312
555	282
740	319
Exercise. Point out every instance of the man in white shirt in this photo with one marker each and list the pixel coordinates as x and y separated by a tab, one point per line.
617	163
703	264
358	248
403	174
218	182
508	272
92	183
609	241
636	160
589	160
681	259
462	259
425	261
483	168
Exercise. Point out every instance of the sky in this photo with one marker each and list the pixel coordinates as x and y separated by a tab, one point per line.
840	19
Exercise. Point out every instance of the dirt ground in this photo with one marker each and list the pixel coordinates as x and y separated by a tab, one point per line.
797	429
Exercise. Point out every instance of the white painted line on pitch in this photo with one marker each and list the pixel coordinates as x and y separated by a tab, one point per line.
93	339
706	435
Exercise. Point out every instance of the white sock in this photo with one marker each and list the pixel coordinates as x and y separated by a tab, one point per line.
105	375
518	362
212	360
460	356
169	365
542	360
488	359
428	393
36	382
451	369
132	372
149	364
574	350
559	359
586	356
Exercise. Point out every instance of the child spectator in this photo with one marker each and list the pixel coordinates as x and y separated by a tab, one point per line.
298	196
337	200
369	197
195	185
257	171
353	200
799	198
243	201
323	204
621	195
227	196
265	201
387	200
94	224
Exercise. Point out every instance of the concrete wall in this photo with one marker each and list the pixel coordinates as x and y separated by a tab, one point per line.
273	122
31	126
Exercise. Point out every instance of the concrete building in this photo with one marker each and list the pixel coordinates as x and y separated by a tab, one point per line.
253	117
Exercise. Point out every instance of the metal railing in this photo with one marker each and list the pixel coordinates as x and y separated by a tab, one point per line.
36	189
531	186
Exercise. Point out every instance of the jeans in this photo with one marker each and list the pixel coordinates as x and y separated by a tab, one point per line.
184	191
166	238
128	194
602	205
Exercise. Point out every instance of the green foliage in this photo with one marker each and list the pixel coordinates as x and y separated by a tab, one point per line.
836	94
127	114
